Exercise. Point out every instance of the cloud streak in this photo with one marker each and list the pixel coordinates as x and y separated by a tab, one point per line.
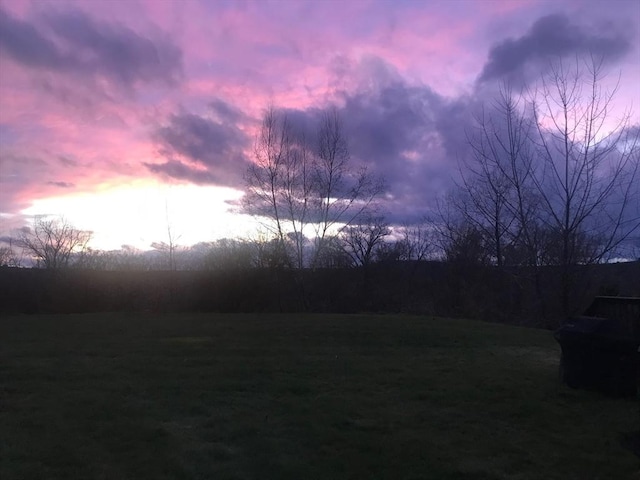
72	43
61	184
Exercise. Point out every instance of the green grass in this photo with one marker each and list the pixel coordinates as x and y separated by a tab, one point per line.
117	396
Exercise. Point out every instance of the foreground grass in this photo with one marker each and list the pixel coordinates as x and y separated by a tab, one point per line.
299	397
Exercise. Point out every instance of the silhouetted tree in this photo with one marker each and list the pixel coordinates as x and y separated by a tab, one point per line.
53	241
497	181
467	246
589	166
300	189
333	255
9	256
391	251
553	175
342	193
278	184
229	254
417	240
363	238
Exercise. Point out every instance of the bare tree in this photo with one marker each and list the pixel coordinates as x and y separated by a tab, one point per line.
589	174
499	194
467	246
268	251
8	255
228	254
171	246
417	241
90	259
273	179
130	258
590	165
169	250
53	241
497	182
300	190
341	193
363	238
389	251
333	254
553	176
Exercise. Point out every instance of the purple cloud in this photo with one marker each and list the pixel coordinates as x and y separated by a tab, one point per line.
549	38
399	132
216	146
71	42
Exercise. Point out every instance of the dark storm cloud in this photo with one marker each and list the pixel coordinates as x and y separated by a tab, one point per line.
385	123
72	42
200	139
27	45
402	134
217	147
409	135
303	123
552	37
454	123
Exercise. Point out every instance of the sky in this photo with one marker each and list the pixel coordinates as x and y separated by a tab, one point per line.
128	116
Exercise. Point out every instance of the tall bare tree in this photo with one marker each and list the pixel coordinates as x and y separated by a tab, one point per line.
278	184
497	182
589	160
554	175
303	191
53	241
341	193
170	248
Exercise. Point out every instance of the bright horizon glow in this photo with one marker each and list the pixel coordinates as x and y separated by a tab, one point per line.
139	214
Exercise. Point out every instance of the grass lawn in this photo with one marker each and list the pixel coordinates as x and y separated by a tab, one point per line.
194	396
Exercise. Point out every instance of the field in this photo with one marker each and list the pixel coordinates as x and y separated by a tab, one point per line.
196	396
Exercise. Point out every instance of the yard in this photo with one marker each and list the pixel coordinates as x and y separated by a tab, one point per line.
199	396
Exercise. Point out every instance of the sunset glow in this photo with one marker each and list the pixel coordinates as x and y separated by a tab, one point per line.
144	212
131	117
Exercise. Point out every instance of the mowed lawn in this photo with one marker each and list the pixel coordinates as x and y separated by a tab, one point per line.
205	396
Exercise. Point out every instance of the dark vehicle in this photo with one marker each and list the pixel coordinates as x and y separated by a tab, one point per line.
601	349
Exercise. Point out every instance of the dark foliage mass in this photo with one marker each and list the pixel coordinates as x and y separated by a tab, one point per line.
435	288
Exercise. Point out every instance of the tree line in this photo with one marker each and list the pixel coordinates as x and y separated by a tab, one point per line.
66	247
